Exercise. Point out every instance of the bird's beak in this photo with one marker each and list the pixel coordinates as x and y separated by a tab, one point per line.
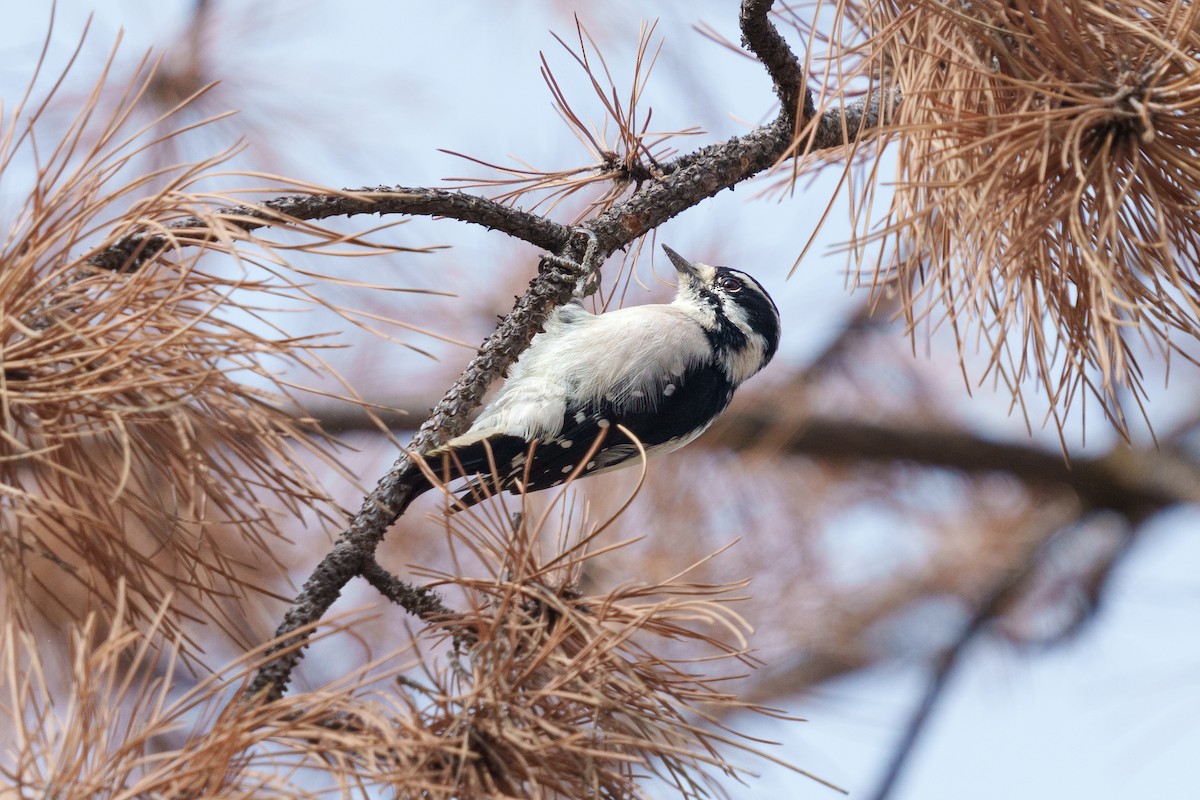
684	267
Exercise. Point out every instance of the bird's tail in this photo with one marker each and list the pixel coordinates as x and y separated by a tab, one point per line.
480	461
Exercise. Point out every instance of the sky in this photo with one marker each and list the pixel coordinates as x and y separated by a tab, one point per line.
368	93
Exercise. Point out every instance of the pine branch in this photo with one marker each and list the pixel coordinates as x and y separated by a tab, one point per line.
132	251
420	601
1130	482
686	181
1127	481
764	40
997	596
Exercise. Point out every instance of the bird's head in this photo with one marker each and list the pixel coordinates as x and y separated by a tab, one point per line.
735	311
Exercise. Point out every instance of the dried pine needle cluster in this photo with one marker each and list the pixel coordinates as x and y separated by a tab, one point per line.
533	691
624	149
127	429
557	693
128	724
140	410
1049	176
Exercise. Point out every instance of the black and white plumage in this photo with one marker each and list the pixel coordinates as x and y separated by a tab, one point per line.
663	371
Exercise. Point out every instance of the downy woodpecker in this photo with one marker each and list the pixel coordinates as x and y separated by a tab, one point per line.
663	371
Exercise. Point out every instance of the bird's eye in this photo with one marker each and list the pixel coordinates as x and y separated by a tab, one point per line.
729	284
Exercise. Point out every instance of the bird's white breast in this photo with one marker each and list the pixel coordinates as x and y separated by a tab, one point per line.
625	356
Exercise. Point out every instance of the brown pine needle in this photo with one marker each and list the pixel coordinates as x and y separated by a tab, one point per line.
568	693
1048	182
620	160
142	408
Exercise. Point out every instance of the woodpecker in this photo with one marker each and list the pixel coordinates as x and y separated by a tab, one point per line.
662	371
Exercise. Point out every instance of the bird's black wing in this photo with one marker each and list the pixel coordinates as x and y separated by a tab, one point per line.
682	407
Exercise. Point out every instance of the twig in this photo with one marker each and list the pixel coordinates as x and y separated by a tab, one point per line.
765	41
133	250
991	604
836	127
420	601
853	121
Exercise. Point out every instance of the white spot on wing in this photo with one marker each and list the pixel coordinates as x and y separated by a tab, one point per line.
580	417
591	465
602	423
669	390
565	444
567	469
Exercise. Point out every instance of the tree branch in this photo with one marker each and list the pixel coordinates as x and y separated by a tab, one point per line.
131	251
1128	481
688	180
764	40
991	604
1125	480
420	601
997	596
